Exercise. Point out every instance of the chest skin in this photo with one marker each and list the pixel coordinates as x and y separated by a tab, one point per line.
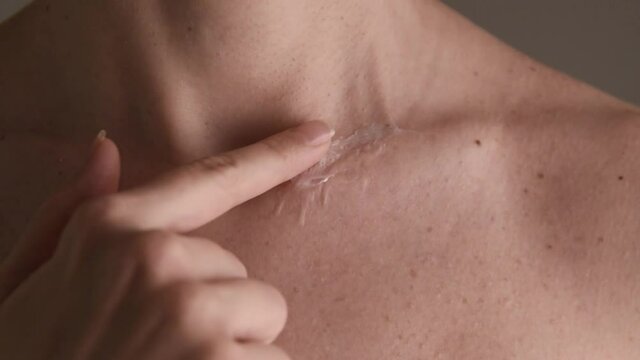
462	242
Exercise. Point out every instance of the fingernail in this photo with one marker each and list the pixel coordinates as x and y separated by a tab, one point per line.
99	138
89	160
315	132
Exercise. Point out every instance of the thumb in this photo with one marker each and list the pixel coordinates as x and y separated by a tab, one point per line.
100	176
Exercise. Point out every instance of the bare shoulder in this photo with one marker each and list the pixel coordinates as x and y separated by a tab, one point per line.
575	172
579	156
572	175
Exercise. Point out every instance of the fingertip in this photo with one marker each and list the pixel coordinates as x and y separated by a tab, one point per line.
315	133
101	174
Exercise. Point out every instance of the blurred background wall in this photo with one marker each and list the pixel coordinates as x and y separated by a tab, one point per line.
597	41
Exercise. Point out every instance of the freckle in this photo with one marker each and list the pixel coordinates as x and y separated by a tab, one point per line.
549	247
409	305
340	299
620	177
2	137
387	318
60	172
189	28
429	229
465	300
532	68
540	175
600	240
295	290
478	142
413	273
66	17
526	191
475	73
47	8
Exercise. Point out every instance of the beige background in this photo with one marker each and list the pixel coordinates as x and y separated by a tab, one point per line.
594	40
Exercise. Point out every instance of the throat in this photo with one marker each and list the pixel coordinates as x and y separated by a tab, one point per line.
190	78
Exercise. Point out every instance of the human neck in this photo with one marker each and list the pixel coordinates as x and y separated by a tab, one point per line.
192	77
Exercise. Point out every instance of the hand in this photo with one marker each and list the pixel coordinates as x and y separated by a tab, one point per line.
103	274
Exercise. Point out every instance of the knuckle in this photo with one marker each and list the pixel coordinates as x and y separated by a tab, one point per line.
100	210
274	296
278	146
277	304
225	256
158	252
218	163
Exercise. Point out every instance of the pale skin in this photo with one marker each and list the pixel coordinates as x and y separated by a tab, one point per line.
501	224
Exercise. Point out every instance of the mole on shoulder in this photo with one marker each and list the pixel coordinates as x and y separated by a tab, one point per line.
478	142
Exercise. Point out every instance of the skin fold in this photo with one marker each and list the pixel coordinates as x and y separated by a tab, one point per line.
499	222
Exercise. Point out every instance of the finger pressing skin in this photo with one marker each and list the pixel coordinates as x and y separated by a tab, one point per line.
193	195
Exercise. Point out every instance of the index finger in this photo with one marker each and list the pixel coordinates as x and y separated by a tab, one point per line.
193	195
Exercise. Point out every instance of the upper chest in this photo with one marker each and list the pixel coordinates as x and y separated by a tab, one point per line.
430	247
